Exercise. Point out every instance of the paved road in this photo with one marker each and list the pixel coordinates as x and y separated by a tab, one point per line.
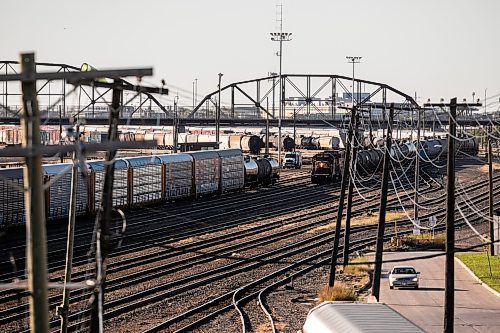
476	309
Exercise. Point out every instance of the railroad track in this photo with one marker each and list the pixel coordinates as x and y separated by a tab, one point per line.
203	257
54	300
254	289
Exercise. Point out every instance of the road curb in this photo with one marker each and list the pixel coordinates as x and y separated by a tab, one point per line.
491	290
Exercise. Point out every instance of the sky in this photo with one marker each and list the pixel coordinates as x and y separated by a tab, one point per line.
438	49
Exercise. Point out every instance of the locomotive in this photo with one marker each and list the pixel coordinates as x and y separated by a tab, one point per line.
326	167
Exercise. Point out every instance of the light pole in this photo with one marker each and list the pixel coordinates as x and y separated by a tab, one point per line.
217	116
473	100
485	101
193	95
353	60
280	37
195	91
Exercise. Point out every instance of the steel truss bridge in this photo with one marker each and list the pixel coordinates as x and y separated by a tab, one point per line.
307	100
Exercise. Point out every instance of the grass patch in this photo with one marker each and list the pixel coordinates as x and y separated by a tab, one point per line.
423	241
478	263
372	218
340	292
364	219
357	270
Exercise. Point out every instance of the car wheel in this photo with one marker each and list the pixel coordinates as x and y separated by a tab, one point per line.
391	287
416	287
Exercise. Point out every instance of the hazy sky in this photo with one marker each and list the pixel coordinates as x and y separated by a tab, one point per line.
439	48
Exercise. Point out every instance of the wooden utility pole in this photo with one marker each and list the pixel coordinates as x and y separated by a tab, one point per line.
64	308
104	219
267	125
34	201
340	209
417	172
347	230
381	213
491	196
449	291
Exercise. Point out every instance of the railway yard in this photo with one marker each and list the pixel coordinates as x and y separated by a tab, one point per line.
150	198
247	260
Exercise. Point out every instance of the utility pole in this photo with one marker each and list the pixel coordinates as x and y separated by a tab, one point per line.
193	96
281	37
347	229
449	292
60	134
104	219
417	172
294	129
491	196
381	213
217	116
267	126
63	309
176	128
36	250
340	208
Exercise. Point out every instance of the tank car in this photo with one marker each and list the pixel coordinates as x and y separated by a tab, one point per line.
251	172
251	143
268	171
329	142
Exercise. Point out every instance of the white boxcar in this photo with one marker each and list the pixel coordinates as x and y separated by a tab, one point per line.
178	175
206	172
96	169
232	169
146	174
59	191
11	197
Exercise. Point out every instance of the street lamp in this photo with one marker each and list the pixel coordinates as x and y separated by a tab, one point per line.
353	60
485	101
195	91
280	37
217	115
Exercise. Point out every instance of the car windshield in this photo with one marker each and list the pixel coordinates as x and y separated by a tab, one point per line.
289	156
403	270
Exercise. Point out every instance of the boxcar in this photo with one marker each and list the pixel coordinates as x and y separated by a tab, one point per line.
144	174
177	180
11	197
59	192
206	172
96	183
232	170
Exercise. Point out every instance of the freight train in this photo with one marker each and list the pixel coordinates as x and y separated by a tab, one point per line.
137	181
326	166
